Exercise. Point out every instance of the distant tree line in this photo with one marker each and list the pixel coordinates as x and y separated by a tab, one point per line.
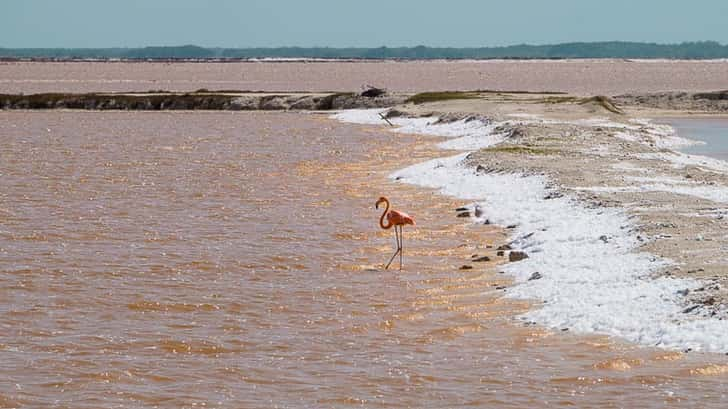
615	49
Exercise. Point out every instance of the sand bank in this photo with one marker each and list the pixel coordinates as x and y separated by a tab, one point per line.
624	235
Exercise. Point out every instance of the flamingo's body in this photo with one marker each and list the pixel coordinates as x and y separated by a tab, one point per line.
397	220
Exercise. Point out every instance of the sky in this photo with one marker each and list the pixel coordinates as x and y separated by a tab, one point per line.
355	23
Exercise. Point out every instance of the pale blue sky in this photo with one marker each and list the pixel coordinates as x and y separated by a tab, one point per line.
362	23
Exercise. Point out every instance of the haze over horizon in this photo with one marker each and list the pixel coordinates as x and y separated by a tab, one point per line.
328	23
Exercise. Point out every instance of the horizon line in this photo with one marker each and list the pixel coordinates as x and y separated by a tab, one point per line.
375	47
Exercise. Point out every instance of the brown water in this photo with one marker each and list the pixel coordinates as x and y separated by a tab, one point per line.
233	260
589	77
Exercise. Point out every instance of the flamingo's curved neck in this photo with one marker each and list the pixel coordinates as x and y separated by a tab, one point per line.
381	219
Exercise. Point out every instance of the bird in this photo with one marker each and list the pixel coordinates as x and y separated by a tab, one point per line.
397	220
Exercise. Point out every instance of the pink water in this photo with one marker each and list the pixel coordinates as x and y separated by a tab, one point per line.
189	259
590	77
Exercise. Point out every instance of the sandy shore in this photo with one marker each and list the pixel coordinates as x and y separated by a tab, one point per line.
621	160
603	166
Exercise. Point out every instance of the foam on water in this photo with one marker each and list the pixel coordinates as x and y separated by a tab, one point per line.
593	277
465	134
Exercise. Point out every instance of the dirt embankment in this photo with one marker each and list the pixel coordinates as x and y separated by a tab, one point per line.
713	102
200	100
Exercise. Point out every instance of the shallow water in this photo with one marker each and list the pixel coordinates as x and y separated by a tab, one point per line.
188	259
587	77
712	131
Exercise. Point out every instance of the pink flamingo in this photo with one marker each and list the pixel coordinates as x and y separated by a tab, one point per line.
396	219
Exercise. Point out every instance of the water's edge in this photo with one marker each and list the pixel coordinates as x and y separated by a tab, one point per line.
592	278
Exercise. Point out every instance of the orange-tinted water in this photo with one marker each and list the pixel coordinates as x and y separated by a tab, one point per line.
194	259
590	77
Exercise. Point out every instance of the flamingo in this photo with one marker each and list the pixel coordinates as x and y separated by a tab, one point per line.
396	219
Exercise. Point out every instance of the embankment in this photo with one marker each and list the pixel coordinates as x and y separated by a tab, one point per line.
199	100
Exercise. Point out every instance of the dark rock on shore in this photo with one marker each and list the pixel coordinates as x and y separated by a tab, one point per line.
373	92
514	256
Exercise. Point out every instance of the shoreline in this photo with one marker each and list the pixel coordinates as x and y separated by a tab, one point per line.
655	104
578	157
649	298
223	60
199	100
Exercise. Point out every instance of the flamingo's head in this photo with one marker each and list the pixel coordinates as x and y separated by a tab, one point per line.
380	201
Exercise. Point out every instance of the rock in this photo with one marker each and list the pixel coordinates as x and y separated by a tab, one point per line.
478	211
501	287
305	104
274	103
535	276
466	267
487	221
500	253
481	259
511	226
245	103
604	238
515	256
464	214
504	247
691	309
480	169
394	113
553	195
684	292
518	133
373	92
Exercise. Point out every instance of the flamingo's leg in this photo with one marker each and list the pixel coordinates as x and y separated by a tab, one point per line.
392	259
401	246
399	249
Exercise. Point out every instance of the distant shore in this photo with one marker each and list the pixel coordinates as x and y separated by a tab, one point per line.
606	49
